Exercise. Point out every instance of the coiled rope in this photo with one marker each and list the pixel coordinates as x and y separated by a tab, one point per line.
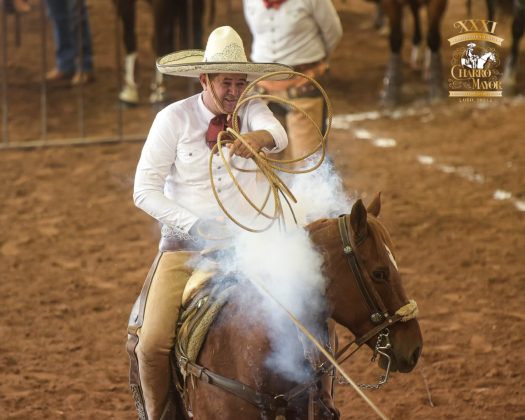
266	165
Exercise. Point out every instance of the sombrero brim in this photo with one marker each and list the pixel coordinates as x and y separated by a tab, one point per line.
189	63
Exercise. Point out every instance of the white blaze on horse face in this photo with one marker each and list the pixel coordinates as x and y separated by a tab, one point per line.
391	257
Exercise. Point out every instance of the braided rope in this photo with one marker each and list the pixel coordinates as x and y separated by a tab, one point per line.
408	312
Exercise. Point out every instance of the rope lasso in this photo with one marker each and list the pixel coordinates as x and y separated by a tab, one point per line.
266	165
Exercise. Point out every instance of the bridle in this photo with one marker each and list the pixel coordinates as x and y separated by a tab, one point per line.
378	313
377	310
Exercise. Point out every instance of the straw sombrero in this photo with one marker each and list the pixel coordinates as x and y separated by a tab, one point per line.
224	54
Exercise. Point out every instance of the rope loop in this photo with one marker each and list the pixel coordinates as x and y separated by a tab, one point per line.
266	165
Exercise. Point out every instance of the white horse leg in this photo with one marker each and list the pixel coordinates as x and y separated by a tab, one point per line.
130	92
158	89
416	56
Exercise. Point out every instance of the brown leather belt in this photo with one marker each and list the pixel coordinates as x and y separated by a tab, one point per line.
301	68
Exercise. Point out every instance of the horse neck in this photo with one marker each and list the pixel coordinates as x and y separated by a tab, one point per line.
325	235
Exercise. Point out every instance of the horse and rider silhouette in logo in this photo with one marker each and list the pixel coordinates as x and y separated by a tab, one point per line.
474	61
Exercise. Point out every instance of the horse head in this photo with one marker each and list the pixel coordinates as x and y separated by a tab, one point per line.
367	297
485	58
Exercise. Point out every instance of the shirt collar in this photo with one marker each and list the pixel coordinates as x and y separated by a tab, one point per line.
204	111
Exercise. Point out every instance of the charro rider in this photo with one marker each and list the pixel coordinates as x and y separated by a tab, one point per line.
172	185
471	60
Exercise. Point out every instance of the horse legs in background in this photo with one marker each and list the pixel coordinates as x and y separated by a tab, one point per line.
163	25
191	34
379	17
436	10
491	9
416	57
511	65
394	73
163	43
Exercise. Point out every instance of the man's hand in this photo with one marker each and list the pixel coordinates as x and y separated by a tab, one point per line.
256	139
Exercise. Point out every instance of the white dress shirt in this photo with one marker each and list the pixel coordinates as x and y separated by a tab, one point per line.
172	182
299	32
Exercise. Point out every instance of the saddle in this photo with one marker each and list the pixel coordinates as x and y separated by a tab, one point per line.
203	299
202	302
197	317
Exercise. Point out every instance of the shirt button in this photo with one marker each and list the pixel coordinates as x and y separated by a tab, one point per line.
218	179
218	190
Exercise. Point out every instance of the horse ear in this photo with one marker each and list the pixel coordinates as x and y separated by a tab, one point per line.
358	219
375	206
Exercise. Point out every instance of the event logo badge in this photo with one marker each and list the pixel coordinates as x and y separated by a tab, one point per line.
475	73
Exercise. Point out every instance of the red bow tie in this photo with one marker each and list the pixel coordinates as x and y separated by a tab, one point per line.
218	124
273	3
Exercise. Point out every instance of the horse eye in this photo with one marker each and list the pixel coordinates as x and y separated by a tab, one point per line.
380	275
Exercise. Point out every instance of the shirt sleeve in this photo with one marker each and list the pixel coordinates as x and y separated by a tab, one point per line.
329	23
157	157
260	117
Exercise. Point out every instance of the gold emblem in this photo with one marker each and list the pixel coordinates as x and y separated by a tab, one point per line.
475	73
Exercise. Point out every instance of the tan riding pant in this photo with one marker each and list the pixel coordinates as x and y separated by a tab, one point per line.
302	134
157	334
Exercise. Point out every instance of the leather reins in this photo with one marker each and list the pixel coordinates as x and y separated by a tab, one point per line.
263	401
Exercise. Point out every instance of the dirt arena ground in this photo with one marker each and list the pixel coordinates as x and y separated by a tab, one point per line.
74	250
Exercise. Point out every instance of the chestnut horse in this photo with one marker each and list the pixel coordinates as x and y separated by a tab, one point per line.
393	79
231	378
167	15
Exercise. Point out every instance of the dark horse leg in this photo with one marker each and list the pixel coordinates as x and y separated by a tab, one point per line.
393	77
191	34
436	10
126	10
379	17
511	65
491	7
163	42
416	57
